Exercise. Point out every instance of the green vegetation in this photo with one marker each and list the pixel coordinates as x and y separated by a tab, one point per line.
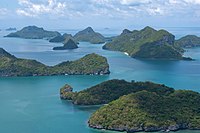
88	35
111	90
138	106
150	111
70	44
89	64
146	43
188	41
33	32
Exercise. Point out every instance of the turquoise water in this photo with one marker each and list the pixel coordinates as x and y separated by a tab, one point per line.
32	104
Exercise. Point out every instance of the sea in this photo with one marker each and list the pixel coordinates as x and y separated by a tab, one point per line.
33	105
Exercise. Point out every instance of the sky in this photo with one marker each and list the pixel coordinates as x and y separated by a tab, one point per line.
76	14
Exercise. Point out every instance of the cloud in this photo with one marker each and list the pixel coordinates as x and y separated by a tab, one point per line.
3	11
24	13
108	8
192	1
129	8
32	9
134	2
144	8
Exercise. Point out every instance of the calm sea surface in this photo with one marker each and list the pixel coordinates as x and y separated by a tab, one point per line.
32	104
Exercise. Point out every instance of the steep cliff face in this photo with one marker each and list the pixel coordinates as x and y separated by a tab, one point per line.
66	92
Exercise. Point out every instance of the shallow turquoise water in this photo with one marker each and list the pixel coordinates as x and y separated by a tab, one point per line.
32	104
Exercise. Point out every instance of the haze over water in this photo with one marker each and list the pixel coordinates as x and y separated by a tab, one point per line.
32	104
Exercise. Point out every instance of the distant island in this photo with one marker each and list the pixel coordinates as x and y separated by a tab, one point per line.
91	64
188	41
138	106
69	44
147	43
59	38
89	35
86	35
63	38
11	29
33	32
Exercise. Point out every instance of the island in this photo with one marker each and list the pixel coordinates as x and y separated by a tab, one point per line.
110	90
89	35
91	64
69	44
138	106
147	43
57	39
146	111
11	29
188	41
34	32
62	38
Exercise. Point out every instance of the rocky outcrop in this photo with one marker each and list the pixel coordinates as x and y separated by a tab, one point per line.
172	128
70	44
66	92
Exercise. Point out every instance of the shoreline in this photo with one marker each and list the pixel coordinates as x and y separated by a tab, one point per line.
172	128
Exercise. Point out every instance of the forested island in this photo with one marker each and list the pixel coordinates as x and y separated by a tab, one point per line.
91	64
138	106
111	90
33	32
188	41
150	112
147	43
68	44
89	35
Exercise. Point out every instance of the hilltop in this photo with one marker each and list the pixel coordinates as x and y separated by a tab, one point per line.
89	35
146	43
110	90
150	112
